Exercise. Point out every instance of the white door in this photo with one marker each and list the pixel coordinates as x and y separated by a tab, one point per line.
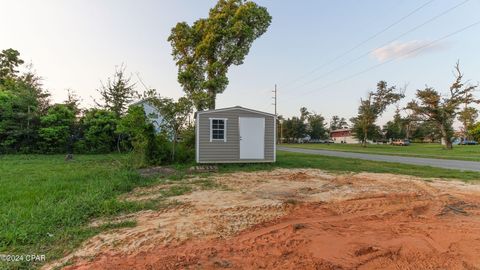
252	137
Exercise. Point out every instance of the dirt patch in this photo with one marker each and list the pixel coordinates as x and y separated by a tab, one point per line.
354	221
299	176
147	193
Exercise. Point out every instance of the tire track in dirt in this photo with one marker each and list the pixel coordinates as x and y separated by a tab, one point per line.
355	221
311	237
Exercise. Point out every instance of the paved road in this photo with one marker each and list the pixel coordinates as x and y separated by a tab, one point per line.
440	163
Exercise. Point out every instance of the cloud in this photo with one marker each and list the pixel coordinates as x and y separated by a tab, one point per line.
403	50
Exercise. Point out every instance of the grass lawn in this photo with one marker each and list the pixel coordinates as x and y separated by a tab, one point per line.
426	150
47	203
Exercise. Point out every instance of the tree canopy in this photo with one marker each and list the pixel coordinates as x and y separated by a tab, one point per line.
442	110
22	102
338	122
371	108
117	92
205	50
467	117
316	126
9	62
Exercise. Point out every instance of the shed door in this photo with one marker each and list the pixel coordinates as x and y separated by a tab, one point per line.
252	137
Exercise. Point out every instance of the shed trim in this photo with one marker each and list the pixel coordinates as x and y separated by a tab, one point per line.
236	108
197	140
238	161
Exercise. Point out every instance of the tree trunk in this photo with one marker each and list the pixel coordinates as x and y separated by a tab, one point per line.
365	134
448	143
212	96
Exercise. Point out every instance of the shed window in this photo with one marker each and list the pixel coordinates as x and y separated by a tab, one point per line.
218	129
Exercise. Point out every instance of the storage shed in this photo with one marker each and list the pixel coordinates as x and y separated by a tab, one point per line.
235	135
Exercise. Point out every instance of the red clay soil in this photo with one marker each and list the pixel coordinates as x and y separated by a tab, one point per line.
402	231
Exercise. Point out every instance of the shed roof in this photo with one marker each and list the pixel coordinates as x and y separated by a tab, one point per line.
235	108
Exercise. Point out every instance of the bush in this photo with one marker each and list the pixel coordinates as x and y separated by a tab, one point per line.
188	137
184	154
149	148
99	128
161	150
79	147
56	129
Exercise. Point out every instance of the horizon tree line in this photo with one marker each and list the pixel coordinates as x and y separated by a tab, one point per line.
203	53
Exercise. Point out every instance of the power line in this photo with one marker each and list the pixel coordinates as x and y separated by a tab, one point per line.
394	59
388	42
361	43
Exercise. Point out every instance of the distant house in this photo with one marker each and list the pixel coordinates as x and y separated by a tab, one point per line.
235	135
153	115
343	136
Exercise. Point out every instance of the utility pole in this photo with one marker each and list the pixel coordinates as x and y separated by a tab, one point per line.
275	99
275	104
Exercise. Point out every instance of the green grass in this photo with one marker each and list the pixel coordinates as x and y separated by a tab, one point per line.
426	150
47	203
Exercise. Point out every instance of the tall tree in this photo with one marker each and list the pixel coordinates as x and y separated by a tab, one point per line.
338	122
373	107
22	102
9	62
316	126
467	117
294	129
411	123
396	128
117	92
204	51
442	111
304	113
373	132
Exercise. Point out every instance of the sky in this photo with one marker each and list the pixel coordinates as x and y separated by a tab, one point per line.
323	55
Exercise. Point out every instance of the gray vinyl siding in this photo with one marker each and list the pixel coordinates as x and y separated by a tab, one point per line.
229	151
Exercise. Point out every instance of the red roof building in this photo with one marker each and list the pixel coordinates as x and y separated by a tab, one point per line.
342	136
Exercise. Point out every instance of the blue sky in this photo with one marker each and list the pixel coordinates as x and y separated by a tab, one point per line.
75	44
